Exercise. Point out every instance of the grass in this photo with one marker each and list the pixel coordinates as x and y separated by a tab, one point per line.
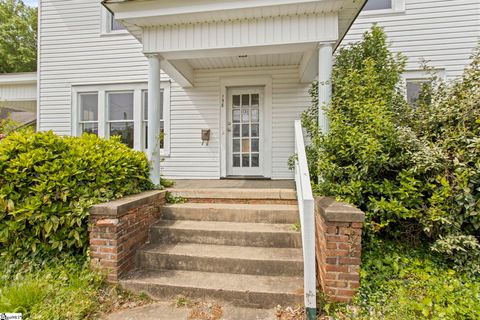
64	289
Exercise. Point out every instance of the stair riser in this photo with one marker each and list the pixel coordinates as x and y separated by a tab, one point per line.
236	298
231	238
231	215
242	201
159	261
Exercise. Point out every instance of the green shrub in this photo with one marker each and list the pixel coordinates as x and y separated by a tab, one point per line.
48	183
414	170
401	282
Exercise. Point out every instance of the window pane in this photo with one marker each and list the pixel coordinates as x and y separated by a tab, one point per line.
120	106
114	24
255	99
255	115
245	130
255	130
245	145
255	160
236	145
255	145
145	131
124	130
378	4
88	107
245	100
236	115
245	115
236	160
90	128
236	130
413	91
145	104
236	101
246	160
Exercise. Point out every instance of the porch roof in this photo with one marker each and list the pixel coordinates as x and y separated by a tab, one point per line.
202	34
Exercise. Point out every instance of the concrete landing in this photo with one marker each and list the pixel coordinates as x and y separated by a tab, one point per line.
166	311
227	183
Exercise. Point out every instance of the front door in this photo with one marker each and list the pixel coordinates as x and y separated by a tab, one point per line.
245	154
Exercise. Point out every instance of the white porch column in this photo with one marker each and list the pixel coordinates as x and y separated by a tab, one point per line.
154	117
325	63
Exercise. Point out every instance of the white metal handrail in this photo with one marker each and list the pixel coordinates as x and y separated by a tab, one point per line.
306	208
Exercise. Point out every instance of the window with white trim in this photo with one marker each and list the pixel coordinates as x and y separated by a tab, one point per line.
413	89
378	5
145	119
120	116
109	24
88	105
383	7
120	110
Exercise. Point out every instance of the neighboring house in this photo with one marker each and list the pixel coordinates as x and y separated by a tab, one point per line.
235	75
443	33
18	97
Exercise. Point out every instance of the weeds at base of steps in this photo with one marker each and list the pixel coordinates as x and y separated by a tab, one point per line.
199	310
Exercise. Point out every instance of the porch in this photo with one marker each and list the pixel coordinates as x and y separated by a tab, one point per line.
227	57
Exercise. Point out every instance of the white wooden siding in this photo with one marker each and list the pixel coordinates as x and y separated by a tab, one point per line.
18	92
238	33
73	52
444	32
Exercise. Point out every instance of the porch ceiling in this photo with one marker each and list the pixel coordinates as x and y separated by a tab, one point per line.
264	60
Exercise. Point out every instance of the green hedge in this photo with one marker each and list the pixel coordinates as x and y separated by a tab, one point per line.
48	183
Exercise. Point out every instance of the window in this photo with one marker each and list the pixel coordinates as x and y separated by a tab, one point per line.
88	113
109	110
414	87
109	25
378	5
120	116
114	24
145	119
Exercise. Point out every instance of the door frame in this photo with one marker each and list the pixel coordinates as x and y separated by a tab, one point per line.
253	81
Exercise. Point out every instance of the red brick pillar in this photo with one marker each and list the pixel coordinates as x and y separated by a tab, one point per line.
118	228
338	248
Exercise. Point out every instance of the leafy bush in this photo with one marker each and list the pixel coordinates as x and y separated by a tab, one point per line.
60	289
414	170
48	183
401	282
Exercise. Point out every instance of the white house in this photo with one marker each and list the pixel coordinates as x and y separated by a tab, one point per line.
443	33
234	77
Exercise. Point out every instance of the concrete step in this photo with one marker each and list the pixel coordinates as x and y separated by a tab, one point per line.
233	195
263	213
223	259
226	233
237	289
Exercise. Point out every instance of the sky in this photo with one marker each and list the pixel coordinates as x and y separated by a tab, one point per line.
32	3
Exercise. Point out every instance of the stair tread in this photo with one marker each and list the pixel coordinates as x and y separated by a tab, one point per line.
219	281
236	193
227	252
236	206
226	226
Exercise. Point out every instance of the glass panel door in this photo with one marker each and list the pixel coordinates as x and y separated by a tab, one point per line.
244	118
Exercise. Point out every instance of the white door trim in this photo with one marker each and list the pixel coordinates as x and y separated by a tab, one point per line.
265	82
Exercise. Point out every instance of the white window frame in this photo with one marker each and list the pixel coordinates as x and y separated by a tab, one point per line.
80	121
398	6
137	88
106	26
419	76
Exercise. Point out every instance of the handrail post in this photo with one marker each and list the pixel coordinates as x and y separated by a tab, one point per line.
307	220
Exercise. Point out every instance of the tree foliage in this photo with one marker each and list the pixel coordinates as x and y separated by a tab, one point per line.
414	169
18	37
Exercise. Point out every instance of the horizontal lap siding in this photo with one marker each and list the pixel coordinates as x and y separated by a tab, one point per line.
193	109
74	52
444	32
